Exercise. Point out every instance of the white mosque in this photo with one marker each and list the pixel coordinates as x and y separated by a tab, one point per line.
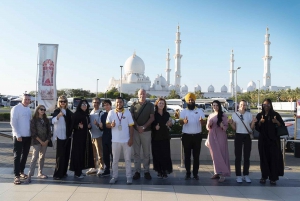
134	77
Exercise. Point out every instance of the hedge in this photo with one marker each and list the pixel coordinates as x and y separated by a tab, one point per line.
4	116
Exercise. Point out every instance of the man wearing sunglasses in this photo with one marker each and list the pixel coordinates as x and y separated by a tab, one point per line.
96	135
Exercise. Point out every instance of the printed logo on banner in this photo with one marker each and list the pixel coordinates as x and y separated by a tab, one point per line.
48	70
47	94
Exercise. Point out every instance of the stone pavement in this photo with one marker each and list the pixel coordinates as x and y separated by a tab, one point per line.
173	188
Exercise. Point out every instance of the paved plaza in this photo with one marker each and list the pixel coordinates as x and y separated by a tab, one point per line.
174	188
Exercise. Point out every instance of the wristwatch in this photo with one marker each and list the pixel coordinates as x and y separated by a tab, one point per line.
143	127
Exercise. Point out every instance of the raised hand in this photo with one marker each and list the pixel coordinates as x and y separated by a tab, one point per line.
95	122
185	120
222	125
169	123
254	120
275	121
80	125
101	125
157	127
262	120
230	121
113	124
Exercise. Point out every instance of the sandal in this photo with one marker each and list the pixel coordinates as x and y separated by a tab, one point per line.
215	176
262	181
272	182
23	176
17	181
42	176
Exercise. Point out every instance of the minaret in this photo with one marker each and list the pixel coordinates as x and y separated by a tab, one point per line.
177	58
267	59
168	70
231	73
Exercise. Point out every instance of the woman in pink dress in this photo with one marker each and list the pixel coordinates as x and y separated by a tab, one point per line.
217	124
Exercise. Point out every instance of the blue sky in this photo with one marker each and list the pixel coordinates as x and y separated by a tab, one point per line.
96	37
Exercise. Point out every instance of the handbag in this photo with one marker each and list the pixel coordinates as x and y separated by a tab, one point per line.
249	132
50	143
281	130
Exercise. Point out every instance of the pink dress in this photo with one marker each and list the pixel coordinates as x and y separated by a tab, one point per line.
217	144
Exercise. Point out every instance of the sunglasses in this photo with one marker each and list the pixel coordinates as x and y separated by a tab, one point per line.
62	101
266	105
96	102
83	104
43	109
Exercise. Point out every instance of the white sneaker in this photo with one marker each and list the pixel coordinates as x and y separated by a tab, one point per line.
247	179
100	171
91	171
129	180
113	180
79	177
239	179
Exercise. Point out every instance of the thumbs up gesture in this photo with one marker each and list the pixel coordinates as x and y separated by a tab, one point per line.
262	120
230	121
101	125
95	122
169	122
157	127
185	120
113	124
80	125
254	120
275	121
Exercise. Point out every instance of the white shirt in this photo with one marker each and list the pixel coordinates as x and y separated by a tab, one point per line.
95	131
59	127
240	128
193	126
20	117
124	119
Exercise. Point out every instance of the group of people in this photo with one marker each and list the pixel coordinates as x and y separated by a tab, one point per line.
88	140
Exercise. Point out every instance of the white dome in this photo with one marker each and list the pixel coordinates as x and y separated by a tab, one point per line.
250	88
211	88
251	83
132	78
134	64
171	87
197	88
238	89
117	86
111	81
184	88
161	81
157	87
224	89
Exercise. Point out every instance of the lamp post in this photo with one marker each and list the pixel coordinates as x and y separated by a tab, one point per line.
106	94
97	88
258	96
121	82
235	88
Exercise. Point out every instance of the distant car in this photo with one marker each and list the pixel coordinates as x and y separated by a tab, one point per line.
289	123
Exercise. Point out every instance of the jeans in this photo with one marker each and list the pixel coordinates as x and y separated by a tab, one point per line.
242	141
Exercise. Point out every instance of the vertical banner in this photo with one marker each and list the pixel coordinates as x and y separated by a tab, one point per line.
298	107
46	79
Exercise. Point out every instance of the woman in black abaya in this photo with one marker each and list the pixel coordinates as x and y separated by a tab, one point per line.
269	147
82	152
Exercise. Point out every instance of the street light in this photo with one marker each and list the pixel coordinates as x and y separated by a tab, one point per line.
235	88
258	96
106	93
121	82
97	89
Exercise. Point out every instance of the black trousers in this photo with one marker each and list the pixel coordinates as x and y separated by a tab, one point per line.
21	150
107	153
242	144
62	157
191	142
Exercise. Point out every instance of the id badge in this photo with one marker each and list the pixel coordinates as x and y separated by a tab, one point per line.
120	127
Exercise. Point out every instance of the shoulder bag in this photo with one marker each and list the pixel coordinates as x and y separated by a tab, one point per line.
249	132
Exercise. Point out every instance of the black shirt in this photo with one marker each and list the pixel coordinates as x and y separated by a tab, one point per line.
163	132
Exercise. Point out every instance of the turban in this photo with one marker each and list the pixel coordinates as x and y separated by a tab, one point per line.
188	96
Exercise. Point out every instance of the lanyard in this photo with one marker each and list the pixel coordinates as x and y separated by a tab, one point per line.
120	119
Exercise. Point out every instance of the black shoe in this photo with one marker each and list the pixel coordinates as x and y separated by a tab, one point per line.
105	174
165	176
187	177
65	176
136	176
159	175
196	177
147	176
56	178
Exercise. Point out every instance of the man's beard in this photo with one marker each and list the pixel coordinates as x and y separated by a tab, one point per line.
191	106
120	108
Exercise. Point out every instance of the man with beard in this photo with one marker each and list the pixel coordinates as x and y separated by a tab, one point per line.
191	118
121	123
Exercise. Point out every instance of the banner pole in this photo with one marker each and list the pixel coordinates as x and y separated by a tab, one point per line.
36	79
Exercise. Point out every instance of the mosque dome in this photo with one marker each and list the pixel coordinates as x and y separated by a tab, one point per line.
211	88
250	88
224	89
251	83
160	80
197	88
238	89
184	88
134	64
132	78
171	87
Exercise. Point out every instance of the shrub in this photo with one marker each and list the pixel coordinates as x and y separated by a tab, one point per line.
4	116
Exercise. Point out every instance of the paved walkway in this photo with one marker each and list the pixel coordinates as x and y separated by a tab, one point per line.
173	188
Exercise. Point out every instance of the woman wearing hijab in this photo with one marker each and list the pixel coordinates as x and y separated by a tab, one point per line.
82	151
271	160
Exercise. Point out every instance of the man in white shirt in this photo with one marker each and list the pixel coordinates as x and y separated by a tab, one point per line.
191	118
121	123
96	135
20	117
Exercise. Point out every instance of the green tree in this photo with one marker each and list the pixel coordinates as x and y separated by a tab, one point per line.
173	95
199	94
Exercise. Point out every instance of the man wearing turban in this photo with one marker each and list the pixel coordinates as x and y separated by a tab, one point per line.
191	118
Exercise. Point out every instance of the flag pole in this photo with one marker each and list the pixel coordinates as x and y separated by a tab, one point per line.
36	79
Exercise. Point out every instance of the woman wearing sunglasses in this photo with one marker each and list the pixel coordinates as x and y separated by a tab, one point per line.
62	120
82	151
40	135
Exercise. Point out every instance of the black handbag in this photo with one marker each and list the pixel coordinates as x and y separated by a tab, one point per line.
281	130
50	144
